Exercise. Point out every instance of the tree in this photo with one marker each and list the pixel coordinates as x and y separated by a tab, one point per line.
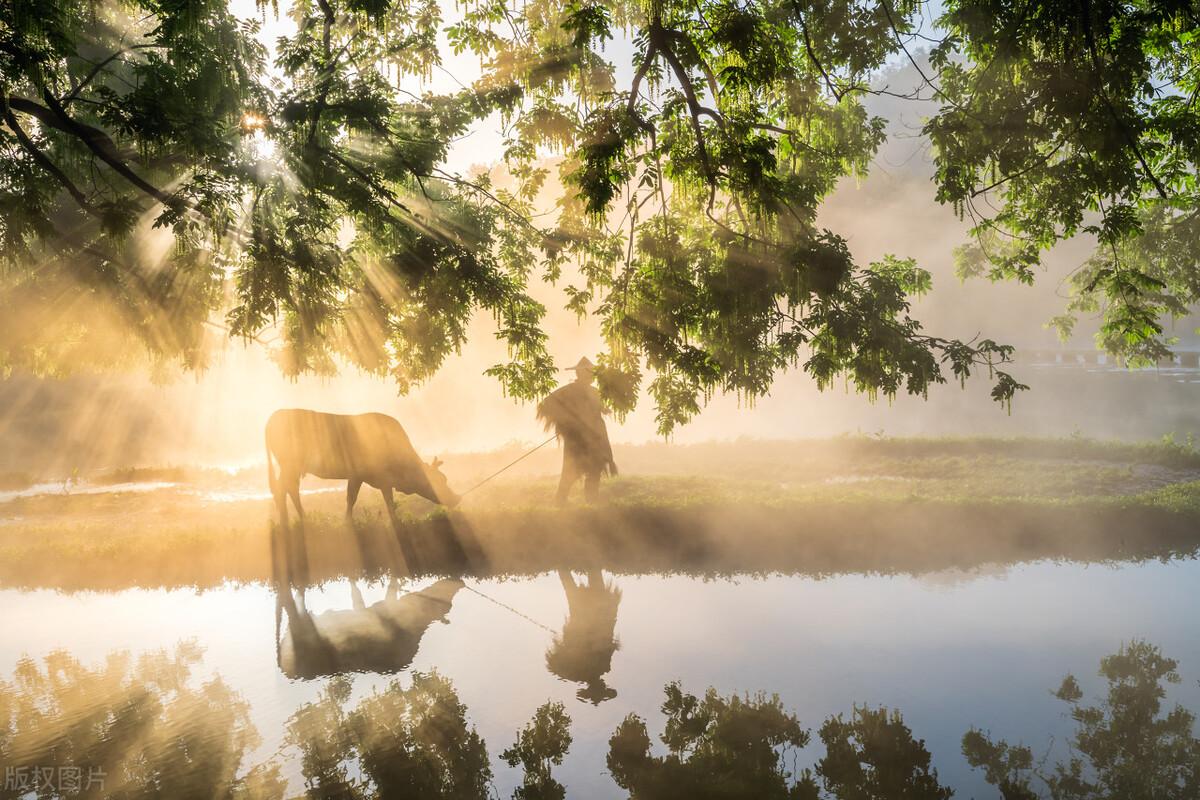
319	202
1077	118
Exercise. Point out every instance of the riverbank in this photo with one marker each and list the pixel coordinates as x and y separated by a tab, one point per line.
816	508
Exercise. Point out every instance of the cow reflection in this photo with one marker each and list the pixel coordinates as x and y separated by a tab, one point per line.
583	652
381	637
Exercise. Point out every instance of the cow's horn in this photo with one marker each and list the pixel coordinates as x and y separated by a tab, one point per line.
437	462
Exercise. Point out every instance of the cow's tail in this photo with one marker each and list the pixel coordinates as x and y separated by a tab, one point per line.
272	479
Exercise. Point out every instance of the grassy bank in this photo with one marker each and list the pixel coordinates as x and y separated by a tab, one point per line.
853	505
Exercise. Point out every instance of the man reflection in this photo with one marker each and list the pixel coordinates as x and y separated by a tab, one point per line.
583	652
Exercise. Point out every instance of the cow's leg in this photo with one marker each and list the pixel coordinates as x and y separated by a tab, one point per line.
356	598
292	482
393	589
352	488
280	494
389	500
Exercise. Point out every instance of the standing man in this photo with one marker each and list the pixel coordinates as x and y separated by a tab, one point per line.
575	413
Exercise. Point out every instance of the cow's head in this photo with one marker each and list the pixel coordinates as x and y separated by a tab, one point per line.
442	492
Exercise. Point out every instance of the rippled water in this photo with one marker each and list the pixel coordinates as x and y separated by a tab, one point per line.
951	650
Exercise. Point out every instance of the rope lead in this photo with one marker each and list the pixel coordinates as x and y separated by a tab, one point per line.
509	465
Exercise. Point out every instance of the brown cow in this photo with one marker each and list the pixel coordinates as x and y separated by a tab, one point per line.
362	448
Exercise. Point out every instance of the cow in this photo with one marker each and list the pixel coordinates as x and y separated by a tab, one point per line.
362	448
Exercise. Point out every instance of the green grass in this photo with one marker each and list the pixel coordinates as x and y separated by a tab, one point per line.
851	504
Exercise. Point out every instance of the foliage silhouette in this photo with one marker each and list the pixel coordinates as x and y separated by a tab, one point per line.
692	191
1076	118
1125	747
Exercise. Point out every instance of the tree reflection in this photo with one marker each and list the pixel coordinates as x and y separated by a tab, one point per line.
398	742
583	651
151	730
416	742
740	747
541	745
874	755
1124	747
717	747
130	728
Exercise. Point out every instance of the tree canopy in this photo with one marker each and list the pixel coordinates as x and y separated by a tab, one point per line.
158	172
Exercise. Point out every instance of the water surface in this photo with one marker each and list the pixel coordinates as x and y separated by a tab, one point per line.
952	650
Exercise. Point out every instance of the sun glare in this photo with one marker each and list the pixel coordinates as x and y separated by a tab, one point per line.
252	122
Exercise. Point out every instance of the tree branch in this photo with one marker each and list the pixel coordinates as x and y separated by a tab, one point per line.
96	140
694	106
100	66
1012	175
327	77
512	212
812	56
45	163
635	87
887	10
385	192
